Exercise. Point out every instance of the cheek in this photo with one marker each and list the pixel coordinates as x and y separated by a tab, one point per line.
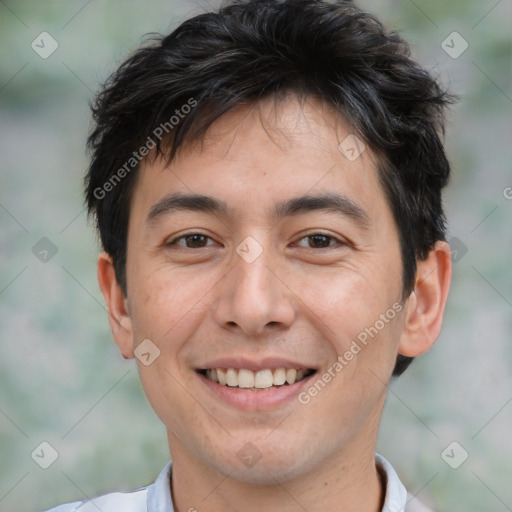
361	323
167	307
347	302
168	397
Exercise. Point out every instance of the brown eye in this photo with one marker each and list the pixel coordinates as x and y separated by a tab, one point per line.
192	241
320	241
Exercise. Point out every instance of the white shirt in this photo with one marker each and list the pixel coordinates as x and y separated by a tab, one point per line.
157	496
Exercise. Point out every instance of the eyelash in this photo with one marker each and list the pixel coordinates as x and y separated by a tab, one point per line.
310	236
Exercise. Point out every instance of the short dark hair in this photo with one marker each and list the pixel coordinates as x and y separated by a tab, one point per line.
254	49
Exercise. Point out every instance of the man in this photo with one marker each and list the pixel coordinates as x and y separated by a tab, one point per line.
267	183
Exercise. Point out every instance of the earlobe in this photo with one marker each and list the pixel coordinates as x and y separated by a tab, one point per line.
425	306
117	305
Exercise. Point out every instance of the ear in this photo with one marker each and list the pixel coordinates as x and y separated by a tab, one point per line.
425	306
117	305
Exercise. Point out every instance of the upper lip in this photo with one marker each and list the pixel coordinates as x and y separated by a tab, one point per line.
255	365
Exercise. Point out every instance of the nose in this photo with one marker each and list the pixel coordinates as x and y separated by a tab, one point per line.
254	297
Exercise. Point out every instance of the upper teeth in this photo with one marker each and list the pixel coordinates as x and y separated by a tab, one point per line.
261	379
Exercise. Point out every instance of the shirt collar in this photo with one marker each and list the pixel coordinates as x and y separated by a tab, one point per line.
160	500
159	494
396	495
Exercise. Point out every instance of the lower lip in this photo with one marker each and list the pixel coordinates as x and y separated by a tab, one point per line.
256	400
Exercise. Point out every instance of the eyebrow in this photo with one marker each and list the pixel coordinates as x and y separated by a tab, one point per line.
328	202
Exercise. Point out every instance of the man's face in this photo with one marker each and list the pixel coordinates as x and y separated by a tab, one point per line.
264	288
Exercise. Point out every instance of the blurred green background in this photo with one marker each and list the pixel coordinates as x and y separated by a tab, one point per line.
61	378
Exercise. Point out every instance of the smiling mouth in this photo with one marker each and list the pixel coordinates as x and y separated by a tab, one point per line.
262	380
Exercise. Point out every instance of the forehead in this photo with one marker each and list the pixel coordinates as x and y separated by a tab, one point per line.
257	156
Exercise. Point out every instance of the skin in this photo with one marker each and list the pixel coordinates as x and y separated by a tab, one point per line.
298	300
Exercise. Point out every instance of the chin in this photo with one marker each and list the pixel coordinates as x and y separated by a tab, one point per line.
267	466
264	474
